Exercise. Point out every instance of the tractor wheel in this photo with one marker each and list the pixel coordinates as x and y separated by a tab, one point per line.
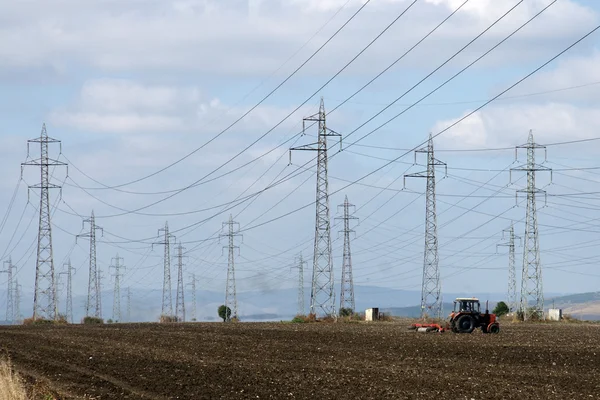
465	324
494	328
453	327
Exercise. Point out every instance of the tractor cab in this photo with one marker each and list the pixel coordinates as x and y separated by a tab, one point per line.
467	305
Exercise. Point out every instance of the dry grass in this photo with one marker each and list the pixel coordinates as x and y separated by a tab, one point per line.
167	319
11	387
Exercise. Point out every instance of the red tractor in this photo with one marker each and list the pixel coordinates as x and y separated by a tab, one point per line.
467	316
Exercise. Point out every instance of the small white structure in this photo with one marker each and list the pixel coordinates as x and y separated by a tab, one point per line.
371	314
555	314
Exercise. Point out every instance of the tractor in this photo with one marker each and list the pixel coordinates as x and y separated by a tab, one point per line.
467	316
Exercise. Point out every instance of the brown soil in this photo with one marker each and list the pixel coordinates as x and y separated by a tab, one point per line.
307	361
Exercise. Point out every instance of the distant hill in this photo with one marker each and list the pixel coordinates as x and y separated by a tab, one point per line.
281	304
581	305
413	311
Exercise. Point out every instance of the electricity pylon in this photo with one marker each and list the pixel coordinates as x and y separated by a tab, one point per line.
118	267
180	300
532	291
167	298
230	291
347	290
512	273
17	302
322	295
93	306
193	285
300	263
128	304
10	305
431	290
99	286
69	300
44	298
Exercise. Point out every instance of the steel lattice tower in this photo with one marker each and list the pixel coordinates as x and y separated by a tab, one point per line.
431	291
347	289
94	301
167	298
512	273
532	292
180	300
322	295
99	289
230	291
69	301
44	298
17	302
118	266
193	285
300	263
10	305
128	304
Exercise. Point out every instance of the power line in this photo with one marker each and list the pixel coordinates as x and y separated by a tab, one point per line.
589	33
257	104
279	123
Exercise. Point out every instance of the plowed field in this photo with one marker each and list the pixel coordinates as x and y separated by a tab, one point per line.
307	361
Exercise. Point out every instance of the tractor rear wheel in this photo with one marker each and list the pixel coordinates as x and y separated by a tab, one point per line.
465	324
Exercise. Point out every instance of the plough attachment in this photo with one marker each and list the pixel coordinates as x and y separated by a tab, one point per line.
427	328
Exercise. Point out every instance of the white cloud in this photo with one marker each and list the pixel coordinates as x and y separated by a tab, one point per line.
124	95
124	106
116	123
245	38
569	72
508	126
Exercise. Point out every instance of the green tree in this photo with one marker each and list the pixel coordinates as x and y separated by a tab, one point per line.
501	309
224	312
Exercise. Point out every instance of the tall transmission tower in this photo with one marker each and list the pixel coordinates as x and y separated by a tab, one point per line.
167	297
532	292
69	300
44	298
322	295
10	305
128	304
193	285
230	291
300	263
347	290
17	288
99	288
431	290
93	305
180	300
118	267
512	273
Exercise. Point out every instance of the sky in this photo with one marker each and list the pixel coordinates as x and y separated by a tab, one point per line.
184	111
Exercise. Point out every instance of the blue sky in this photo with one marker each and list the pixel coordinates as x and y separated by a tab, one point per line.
131	87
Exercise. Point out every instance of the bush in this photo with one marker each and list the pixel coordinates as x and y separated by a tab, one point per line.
224	312
167	319
501	309
533	316
92	321
346	312
304	319
41	321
